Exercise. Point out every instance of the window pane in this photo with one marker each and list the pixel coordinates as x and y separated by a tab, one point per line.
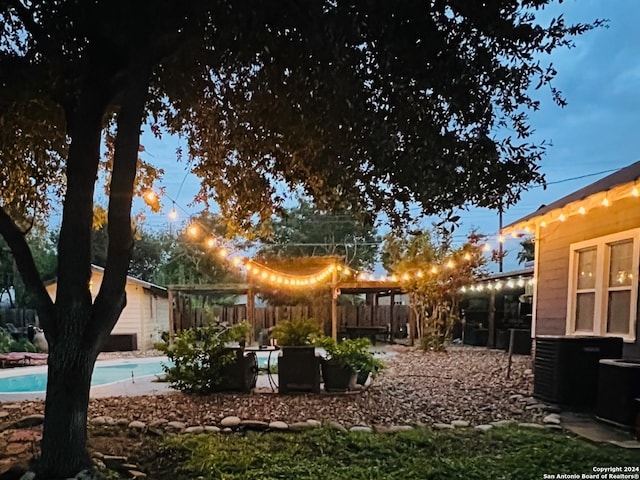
585	306
618	311
621	255
587	268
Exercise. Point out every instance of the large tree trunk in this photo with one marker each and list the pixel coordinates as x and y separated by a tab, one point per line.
64	441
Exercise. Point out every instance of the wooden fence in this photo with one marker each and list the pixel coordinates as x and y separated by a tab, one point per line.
395	317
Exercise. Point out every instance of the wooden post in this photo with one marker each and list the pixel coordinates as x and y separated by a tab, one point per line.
171	316
391	319
491	327
334	304
251	309
511	338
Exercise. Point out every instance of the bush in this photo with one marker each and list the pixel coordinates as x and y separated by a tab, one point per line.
199	357
9	344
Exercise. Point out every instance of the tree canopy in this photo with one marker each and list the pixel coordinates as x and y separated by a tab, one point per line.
372	105
433	271
363	105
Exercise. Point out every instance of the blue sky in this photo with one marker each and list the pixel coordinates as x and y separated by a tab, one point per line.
597	131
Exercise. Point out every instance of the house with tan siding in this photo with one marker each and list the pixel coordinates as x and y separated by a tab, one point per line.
145	316
587	261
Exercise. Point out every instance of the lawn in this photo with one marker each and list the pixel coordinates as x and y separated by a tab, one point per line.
504	453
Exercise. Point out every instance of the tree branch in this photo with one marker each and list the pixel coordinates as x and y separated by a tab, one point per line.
112	299
27	267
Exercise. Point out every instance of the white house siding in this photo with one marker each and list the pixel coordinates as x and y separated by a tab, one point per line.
136	317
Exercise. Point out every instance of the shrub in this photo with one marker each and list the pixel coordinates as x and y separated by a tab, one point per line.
199	356
9	344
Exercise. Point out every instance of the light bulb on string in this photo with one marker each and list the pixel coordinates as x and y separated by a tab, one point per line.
193	230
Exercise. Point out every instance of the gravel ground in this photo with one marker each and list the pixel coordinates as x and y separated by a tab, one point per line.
415	388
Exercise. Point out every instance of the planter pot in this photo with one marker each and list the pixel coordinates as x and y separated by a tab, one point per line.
363	376
241	374
337	378
298	370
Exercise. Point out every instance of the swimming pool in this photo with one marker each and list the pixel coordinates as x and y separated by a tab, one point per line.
103	374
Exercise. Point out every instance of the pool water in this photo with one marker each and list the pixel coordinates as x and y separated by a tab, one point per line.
102	375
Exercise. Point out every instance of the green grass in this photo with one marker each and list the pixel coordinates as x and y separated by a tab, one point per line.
500	454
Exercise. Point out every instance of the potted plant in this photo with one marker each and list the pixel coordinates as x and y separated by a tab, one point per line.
346	360
298	366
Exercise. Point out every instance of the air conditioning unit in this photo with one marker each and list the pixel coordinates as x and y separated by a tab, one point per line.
566	367
618	389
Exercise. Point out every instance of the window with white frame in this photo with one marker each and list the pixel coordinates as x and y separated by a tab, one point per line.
603	285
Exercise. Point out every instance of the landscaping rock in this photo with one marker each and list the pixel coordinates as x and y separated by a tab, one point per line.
254	425
123	422
28	476
278	425
16	448
460	423
298	426
443	426
29	421
114	462
361	428
102	420
483	428
3	414
24	436
336	426
552	418
158	422
137	474
175	426
137	425
230	422
194	429
314	423
211	429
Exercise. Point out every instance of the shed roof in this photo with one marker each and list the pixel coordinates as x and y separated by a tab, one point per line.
619	184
